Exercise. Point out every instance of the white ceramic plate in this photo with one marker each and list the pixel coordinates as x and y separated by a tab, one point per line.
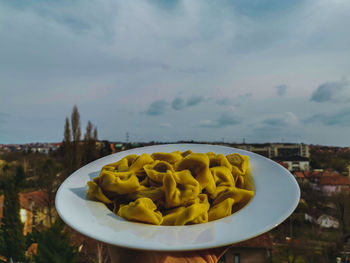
276	196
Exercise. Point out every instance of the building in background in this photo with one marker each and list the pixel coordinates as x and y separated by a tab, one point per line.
272	150
294	163
255	250
33	210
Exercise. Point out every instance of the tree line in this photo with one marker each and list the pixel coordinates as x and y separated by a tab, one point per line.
75	151
34	171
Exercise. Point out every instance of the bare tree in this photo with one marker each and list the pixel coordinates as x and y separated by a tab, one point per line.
102	253
75	120
88	133
67	149
90	150
48	181
67	135
76	134
95	134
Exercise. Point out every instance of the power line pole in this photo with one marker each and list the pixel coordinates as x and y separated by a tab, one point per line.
127	137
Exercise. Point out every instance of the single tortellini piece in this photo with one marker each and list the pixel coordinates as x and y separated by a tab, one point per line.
123	164
223	180
139	163
240	196
240	163
168	157
172	217
119	182
152	192
195	213
142	210
157	170
198	165
95	192
179	188
221	209
222	176
218	160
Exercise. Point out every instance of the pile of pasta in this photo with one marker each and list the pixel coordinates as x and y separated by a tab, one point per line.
177	188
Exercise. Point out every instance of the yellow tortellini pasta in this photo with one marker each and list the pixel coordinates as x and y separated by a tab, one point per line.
157	170
142	210
221	209
138	164
194	212
198	164
168	157
119	182
177	188
96	192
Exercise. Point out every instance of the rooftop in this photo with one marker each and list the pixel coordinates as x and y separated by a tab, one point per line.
262	241
335	180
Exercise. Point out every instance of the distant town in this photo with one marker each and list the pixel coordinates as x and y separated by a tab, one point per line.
295	156
29	147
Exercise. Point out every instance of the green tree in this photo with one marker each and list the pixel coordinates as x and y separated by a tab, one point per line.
54	247
14	245
338	164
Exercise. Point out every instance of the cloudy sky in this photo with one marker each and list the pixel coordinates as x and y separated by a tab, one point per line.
266	71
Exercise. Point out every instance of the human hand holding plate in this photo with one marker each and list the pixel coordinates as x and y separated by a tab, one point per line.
118	254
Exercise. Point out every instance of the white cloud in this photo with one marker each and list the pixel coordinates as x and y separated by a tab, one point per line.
336	91
157	107
340	118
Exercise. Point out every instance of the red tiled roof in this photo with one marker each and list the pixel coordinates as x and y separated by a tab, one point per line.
312	173
112	147
285	165
262	241
37	198
334	180
300	174
330	172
